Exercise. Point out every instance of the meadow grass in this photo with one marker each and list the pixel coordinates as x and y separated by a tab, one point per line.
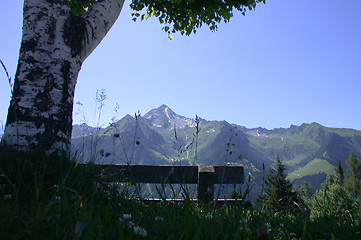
57	198
50	198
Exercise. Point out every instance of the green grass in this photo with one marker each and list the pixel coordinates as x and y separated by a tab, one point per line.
296	160
314	167
51	198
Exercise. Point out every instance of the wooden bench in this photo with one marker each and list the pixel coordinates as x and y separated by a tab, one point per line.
204	176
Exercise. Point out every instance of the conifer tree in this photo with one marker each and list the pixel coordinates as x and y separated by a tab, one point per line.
340	173
353	180
280	195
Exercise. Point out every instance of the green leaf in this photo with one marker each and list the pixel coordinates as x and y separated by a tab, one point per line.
170	37
152	12
186	16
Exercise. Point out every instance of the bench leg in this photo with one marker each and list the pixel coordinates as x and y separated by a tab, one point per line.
205	184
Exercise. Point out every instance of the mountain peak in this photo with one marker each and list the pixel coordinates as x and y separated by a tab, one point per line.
164	116
165	110
161	112
163	106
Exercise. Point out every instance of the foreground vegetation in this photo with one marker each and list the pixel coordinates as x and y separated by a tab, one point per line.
49	198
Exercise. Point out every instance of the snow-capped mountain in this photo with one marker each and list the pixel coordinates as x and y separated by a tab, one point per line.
164	117
161	136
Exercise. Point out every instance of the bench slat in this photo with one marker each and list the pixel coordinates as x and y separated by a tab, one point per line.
229	174
174	174
154	174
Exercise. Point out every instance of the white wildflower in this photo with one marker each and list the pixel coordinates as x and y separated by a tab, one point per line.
268	225
8	196
126	219
293	236
209	217
243	221
128	224
57	198
140	231
160	219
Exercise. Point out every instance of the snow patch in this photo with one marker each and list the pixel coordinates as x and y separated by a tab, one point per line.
282	139
166	112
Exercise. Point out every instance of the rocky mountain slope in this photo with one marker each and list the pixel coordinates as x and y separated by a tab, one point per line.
161	136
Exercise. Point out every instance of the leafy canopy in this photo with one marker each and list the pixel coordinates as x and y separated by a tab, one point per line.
183	16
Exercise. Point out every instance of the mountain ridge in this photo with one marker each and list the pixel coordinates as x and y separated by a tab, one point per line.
162	136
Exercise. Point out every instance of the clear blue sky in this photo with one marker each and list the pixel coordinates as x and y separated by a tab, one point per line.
288	62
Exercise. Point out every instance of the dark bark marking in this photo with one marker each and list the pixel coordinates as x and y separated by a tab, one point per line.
29	45
51	30
66	109
30	59
58	1
49	136
43	100
62	12
65	73
40	15
11	118
18	70
34	74
75	33
25	8
106	24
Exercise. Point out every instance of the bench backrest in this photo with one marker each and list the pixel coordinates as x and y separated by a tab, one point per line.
204	176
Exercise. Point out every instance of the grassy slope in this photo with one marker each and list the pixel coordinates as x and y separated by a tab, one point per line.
314	167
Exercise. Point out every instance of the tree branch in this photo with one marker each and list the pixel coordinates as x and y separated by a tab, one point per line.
99	19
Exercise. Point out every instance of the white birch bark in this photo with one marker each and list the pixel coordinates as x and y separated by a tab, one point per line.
54	45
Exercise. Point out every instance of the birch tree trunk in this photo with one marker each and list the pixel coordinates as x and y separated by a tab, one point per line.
54	45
